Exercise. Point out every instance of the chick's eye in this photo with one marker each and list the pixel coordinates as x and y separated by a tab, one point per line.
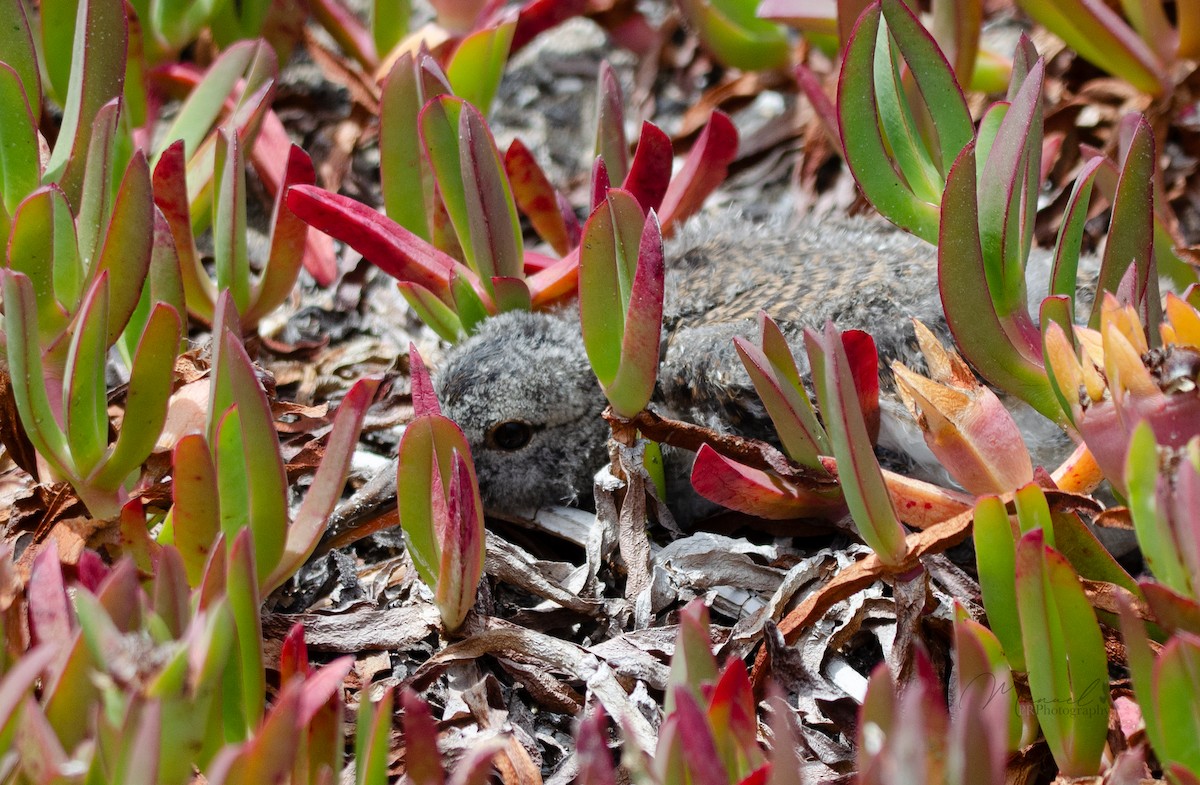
510	435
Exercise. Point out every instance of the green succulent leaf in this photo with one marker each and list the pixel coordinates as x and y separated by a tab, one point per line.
863	144
494	227
995	558
26	371
477	64
1064	278
1152	524
732	32
18	52
245	600
1100	35
43	247
438	316
85	394
858	470
419	459
970	311
1065	656
151	381
1131	233
128	244
232	259
97	75
372	734
100	180
20	166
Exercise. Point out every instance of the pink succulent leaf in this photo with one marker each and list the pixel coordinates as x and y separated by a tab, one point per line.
755	492
397	251
462	547
650	171
611	146
538	16
293	655
423	763
319	687
633	386
591	748
703	170
538	199
423	397
600	183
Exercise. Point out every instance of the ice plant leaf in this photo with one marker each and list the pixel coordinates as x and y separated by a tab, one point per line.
475	67
995	558
611	146
1100	35
705	168
424	399
865	148
731	716
128	243
26	371
693	666
731	31
195	514
779	388
85	401
327	485
462	549
231	258
260	447
205	101
95	200
440	512
982	668
539	201
97	76
245	601
650	170
288	236
494	229
397	251
17	51
170	196
755	492
1131	233
633	386
970	312
607	261
20	167
1065	655
151	381
1151	523
1007	200
591	749
406	178
372	734
420	733
858	471
438	316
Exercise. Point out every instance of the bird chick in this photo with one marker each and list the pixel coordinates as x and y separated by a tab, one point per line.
523	393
